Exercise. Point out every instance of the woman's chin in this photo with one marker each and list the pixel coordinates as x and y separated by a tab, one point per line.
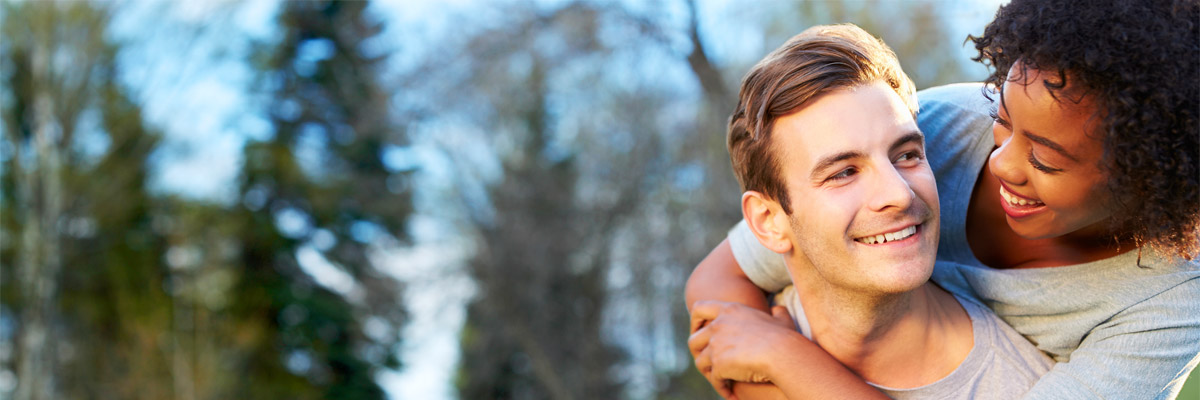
1029	230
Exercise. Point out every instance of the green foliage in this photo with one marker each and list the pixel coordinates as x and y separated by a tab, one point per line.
321	89
1191	388
77	222
151	296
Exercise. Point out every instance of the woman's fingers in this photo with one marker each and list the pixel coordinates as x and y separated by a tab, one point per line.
705	311
704	362
699	340
781	313
723	387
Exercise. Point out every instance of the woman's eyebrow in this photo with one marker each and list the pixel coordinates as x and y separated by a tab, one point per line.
1042	140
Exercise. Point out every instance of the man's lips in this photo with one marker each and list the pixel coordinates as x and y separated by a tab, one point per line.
891	235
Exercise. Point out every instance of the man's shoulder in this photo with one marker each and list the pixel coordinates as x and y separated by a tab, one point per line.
992	332
1009	358
1001	364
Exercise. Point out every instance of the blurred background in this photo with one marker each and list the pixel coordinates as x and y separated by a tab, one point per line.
362	200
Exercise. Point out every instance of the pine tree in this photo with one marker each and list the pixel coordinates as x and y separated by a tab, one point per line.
319	186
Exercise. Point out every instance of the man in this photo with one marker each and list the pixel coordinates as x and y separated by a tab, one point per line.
825	144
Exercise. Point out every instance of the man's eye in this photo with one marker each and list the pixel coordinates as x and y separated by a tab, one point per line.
843	174
909	156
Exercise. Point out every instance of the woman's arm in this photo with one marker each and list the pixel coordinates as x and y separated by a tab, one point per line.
718	277
740	344
1145	351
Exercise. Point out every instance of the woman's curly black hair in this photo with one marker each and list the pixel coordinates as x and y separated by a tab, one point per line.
1140	60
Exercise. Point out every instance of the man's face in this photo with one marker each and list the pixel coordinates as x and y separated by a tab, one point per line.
864	201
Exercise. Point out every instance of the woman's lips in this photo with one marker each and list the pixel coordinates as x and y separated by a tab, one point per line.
1018	206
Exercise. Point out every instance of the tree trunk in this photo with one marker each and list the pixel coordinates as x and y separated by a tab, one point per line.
40	258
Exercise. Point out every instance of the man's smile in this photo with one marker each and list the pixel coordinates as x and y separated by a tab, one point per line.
891	236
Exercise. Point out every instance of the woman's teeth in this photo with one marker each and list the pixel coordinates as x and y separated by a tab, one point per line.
1017	201
889	237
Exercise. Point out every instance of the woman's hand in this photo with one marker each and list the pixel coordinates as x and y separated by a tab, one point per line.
735	343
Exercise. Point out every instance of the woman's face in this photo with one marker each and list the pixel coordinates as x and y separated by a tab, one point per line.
1047	160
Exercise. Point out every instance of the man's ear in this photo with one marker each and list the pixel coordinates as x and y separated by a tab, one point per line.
766	219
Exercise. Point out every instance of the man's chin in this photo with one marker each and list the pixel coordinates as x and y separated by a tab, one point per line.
904	276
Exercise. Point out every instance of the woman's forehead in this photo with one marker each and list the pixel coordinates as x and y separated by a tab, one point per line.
1034	108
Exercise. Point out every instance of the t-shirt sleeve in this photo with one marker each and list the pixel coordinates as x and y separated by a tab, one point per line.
1144	352
764	267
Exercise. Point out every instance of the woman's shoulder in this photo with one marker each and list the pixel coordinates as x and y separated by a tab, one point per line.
969	96
955	119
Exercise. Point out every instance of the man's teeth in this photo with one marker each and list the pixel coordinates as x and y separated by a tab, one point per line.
1017	201
888	237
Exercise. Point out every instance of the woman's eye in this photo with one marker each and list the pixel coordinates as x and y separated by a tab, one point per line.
1041	167
996	118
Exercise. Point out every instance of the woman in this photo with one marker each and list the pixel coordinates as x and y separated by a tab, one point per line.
1075	222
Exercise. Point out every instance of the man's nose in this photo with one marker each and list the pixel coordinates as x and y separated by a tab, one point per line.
890	189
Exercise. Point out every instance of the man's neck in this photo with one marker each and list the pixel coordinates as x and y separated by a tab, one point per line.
896	340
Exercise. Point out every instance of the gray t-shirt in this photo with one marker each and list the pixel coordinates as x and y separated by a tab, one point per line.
1001	364
1122	327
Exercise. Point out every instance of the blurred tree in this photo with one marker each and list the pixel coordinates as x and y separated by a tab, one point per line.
317	195
535	329
582	143
173	298
915	30
75	152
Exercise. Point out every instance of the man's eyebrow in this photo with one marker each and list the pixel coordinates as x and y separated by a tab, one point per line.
828	161
1048	143
910	137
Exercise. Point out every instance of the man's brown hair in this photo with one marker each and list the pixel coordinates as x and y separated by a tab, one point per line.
819	60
